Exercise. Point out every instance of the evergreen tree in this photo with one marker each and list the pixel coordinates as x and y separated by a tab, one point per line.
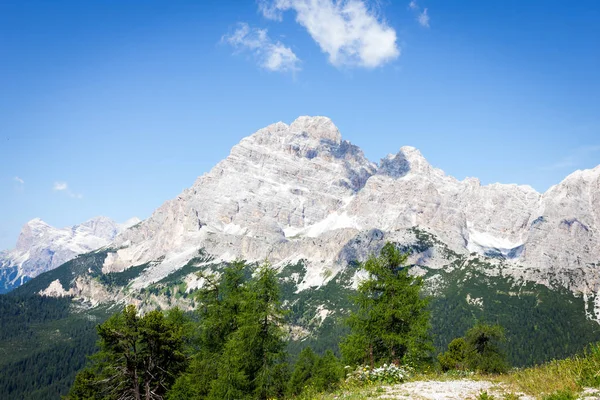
303	371
253	362
328	372
220	304
456	358
484	346
479	350
391	322
139	357
240	348
319	373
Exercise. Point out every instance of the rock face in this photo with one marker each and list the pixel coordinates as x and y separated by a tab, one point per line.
41	247
299	191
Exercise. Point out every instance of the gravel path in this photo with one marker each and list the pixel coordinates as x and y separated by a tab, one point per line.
446	390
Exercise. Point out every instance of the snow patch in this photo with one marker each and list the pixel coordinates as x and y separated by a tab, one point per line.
332	222
234	229
485	239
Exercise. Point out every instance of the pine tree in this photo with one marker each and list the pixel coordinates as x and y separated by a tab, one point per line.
139	357
253	362
484	346
391	323
304	369
328	372
220	304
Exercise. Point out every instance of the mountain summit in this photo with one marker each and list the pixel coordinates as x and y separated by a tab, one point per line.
299	191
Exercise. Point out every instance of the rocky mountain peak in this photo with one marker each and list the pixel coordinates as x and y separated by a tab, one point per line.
36	228
408	159
317	128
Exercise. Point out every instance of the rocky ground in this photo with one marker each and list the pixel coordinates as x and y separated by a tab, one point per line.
447	390
463	389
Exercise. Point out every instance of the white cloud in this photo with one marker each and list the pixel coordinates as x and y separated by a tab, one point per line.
271	55
347	30
21	181
59	186
64	187
423	18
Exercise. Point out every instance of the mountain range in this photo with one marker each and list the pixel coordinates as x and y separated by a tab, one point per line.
41	247
300	192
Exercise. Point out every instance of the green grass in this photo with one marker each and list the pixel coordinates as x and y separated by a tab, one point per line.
559	377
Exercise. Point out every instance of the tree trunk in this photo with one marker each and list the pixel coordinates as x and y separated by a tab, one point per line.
371	359
136	386
147	387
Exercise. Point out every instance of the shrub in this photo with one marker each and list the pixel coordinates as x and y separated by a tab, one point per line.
456	356
484	348
387	373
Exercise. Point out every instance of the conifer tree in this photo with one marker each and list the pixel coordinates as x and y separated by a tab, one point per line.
304	369
220	304
253	362
391	323
139	357
484	346
328	372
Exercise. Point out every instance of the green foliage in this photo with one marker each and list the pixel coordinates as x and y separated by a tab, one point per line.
43	344
485	396
241	347
391	322
139	357
479	350
320	374
541	324
122	278
456	357
484	348
253	361
562	395
303	371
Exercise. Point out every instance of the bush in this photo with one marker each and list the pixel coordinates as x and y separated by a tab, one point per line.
387	373
456	356
320	374
479	350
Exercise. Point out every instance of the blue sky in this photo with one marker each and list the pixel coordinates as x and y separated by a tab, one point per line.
112	107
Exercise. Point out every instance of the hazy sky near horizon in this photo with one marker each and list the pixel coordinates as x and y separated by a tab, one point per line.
113	107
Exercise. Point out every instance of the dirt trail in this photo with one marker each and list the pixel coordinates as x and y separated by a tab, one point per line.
463	389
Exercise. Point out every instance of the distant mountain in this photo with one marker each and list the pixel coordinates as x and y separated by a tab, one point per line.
291	192
41	247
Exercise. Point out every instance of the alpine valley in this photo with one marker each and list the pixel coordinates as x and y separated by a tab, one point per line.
312	205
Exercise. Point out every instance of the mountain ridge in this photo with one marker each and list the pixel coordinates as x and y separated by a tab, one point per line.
300	192
41	247
285	186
